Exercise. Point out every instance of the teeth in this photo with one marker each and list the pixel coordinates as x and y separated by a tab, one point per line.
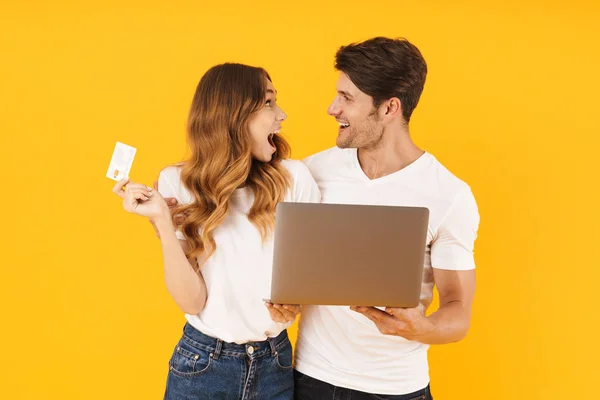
343	125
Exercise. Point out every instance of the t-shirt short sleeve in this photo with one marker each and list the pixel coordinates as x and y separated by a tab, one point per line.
305	187
452	247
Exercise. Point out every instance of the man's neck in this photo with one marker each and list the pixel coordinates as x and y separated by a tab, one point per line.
395	152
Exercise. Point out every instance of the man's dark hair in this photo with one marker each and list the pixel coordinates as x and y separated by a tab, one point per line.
384	68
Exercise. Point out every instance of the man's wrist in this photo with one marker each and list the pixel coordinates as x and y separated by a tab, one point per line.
426	333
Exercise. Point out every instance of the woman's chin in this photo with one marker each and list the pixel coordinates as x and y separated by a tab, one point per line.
265	157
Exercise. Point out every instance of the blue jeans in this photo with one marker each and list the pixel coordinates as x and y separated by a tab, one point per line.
203	367
309	388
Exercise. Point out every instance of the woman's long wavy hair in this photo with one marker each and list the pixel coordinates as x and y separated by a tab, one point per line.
221	159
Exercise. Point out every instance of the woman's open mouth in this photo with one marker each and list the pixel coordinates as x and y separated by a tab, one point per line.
271	140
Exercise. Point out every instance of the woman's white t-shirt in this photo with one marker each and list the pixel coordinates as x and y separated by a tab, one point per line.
238	274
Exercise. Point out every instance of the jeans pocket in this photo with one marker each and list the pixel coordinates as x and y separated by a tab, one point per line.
284	356
189	361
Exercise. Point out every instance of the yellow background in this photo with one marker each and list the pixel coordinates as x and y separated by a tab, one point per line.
510	106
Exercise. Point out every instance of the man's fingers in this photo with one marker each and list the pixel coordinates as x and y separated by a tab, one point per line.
375	315
399	313
364	311
368	311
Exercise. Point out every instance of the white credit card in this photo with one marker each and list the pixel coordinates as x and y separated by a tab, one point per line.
121	161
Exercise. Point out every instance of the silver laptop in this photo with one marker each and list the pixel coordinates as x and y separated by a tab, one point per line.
340	254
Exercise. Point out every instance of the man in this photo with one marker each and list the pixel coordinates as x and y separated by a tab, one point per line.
364	352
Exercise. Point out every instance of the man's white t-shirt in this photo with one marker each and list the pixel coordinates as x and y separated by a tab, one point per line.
344	348
238	274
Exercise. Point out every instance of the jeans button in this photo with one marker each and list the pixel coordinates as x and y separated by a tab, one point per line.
250	350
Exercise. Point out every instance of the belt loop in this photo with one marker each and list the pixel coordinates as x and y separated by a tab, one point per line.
272	345
217	352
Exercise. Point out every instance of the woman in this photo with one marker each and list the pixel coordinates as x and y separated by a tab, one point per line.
217	243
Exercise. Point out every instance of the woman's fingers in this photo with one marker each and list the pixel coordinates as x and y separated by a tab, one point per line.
118	188
283	313
124	185
139	193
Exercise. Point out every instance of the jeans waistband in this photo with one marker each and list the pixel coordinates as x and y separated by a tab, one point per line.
217	347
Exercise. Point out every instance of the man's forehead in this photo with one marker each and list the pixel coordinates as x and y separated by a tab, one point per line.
346	86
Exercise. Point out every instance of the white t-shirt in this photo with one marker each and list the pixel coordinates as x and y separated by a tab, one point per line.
344	348
238	274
